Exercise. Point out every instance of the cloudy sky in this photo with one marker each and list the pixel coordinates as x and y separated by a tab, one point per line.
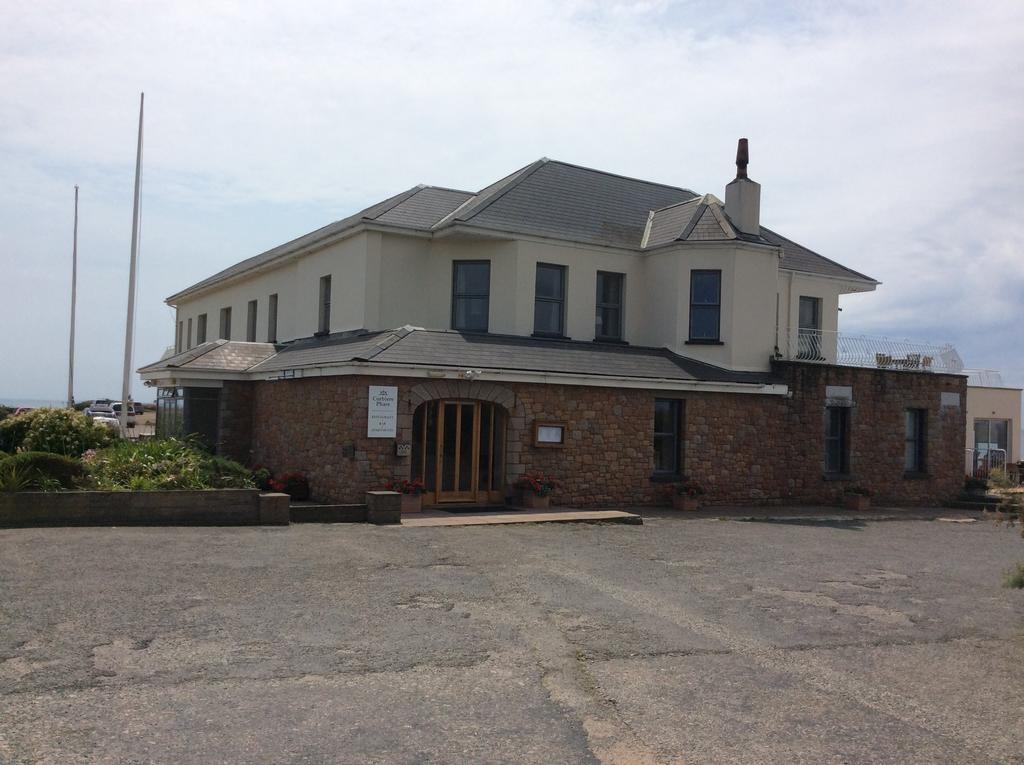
886	135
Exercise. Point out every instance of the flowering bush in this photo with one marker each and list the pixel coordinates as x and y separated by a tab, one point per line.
55	431
262	476
540	484
295	485
405	486
690	489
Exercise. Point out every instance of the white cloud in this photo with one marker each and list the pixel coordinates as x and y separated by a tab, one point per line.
886	136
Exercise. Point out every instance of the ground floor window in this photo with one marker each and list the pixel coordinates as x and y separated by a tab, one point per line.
837	440
991	445
914	440
668	428
190	411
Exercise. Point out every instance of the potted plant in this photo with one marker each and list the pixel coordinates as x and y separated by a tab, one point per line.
411	491
295	485
535	490
685	495
857	498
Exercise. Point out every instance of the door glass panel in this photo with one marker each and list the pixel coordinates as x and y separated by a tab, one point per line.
430	448
465	477
486	413
498	446
449	439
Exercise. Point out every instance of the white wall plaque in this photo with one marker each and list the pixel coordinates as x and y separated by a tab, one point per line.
950	398
382	412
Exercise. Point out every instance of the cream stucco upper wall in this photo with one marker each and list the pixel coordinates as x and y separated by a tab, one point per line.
382	280
996	404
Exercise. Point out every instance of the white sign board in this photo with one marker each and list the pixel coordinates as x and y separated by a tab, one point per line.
382	412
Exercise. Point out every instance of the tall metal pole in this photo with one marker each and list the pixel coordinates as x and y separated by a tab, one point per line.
74	286
129	327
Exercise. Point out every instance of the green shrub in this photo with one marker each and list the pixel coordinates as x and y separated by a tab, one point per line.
165	463
5	412
54	471
58	431
1015	577
222	473
15	477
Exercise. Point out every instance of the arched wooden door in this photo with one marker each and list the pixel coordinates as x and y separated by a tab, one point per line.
459	451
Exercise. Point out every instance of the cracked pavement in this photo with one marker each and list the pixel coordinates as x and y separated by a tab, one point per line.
677	641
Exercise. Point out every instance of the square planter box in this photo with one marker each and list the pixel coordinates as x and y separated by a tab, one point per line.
857	502
683	502
412	503
535	501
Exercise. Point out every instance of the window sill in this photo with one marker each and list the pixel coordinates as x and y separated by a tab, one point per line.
321	333
666	477
704	342
610	341
549	336
837	477
913	475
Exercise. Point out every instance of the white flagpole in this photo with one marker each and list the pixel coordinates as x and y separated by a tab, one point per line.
129	327
74	284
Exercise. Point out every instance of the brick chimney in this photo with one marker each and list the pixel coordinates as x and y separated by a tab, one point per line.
743	196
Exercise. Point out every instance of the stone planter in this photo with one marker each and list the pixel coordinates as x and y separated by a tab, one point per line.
383	507
859	502
535	501
412	503
684	502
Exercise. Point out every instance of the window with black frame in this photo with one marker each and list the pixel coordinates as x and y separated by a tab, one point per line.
549	301
837	448
705	306
250	322
324	319
471	295
609	306
225	323
915	427
668	445
201	329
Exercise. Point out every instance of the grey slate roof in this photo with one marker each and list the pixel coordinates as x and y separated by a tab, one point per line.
216	356
434	348
557	200
571	202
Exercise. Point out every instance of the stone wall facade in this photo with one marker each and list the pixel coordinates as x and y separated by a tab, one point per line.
744	448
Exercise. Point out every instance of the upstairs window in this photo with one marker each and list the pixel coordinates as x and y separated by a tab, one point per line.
668	443
705	306
609	306
272	318
324	322
471	291
201	329
250	323
178	346
914	440
809	333
225	323
188	334
837	440
549	301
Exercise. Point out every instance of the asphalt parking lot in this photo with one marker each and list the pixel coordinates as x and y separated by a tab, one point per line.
695	641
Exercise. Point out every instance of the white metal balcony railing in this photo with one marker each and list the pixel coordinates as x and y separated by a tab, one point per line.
867	351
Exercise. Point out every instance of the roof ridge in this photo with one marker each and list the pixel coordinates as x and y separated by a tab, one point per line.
695	217
503	186
396	200
623	177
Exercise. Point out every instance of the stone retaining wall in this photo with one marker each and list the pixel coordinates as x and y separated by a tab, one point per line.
211	507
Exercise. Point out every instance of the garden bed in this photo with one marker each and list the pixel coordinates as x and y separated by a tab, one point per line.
201	507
